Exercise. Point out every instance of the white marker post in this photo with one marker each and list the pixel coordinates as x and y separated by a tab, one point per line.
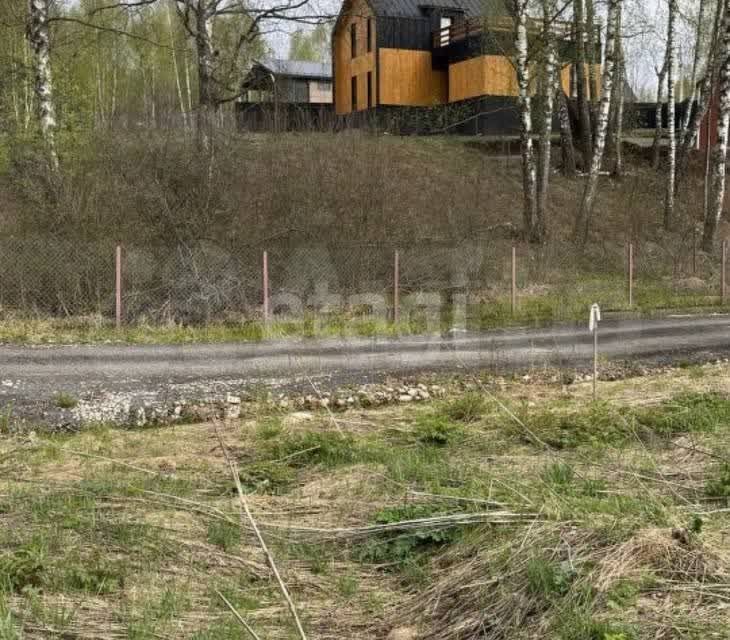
593	327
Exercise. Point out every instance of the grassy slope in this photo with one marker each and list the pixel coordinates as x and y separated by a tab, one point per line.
607	521
396	191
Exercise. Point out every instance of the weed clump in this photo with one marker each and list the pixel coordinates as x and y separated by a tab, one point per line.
434	429
468	408
718	485
401	550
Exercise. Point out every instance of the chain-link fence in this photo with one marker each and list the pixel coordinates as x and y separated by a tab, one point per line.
474	283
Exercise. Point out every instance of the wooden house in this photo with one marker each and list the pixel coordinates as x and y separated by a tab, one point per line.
286	95
391	55
297	81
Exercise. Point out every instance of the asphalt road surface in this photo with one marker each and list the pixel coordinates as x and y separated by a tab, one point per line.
125	375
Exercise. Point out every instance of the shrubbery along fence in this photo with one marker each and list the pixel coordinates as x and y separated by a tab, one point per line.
210	283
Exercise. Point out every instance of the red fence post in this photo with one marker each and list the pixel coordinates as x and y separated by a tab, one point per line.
118	287
514	279
396	287
631	274
265	279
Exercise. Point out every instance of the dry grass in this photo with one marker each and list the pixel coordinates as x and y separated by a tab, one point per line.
197	260
419	522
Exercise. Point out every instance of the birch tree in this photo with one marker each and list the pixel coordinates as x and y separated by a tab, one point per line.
225	34
566	134
584	114
583	219
693	77
532	225
671	120
656	149
39	41
702	95
549	80
719	152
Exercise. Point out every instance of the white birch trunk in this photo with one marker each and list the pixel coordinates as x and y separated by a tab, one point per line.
566	134
531	227
27	93
39	40
703	97
176	71
546	133
693	77
591	55
618	169
583	220
188	87
584	114
719	152
671	110
14	89
656	146
207	103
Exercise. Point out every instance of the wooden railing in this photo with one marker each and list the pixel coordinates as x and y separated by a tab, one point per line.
474	26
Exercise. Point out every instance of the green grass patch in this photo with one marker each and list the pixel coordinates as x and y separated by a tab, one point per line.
65	400
608	424
718	484
406	551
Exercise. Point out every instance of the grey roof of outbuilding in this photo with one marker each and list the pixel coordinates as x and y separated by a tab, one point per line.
414	8
297	68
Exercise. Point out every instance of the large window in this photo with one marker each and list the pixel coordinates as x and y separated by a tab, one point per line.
353	39
353	90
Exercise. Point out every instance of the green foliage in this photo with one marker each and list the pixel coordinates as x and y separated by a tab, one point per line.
578	623
548	579
96	575
65	400
688	412
8	629
467	408
718	485
696	524
223	534
558	474
24	567
314	448
606	424
433	429
401	549
598	424
272	478
269	428
623	594
311	45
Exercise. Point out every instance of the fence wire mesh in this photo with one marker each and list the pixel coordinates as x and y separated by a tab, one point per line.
214	283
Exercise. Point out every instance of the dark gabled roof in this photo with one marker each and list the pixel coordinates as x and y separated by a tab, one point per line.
418	8
297	68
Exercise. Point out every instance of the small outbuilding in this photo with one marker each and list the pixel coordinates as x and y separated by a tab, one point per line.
286	95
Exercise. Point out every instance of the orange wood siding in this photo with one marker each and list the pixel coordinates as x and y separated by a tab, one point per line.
495	76
566	72
355	12
482	76
406	78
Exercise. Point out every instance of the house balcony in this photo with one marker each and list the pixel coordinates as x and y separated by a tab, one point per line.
465	29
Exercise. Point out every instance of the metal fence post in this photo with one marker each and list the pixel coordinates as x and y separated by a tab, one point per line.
723	269
118	286
265	283
631	274
514	279
396	287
